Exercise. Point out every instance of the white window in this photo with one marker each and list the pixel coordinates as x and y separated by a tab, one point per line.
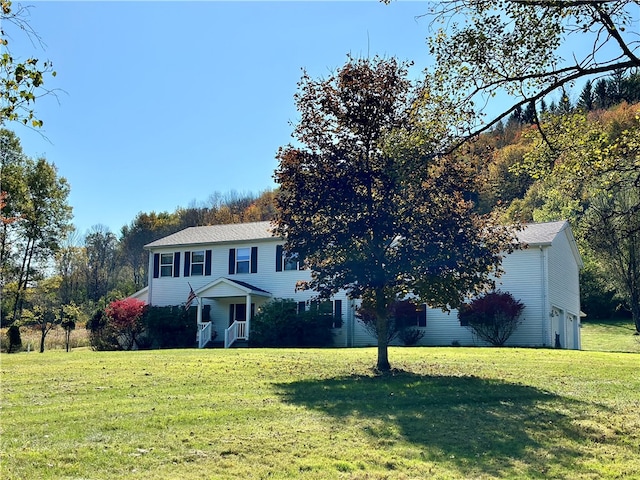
291	261
243	260
197	263
166	265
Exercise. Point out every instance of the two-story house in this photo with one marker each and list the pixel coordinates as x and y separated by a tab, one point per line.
234	269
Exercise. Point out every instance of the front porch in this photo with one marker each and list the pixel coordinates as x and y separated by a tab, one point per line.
237	298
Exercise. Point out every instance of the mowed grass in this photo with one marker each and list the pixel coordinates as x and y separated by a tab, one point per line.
610	336
445	413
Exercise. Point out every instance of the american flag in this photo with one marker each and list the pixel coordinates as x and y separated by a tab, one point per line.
190	298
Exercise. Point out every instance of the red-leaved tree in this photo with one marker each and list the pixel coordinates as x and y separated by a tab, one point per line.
125	317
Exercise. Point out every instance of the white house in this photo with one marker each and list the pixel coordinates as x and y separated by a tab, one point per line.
234	269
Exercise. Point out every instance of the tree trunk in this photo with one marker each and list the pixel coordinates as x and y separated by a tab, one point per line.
42	337
383	364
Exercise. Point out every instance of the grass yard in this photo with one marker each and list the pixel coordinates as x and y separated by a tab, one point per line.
610	336
446	413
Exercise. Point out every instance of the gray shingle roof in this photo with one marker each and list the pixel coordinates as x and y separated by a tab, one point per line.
236	232
532	234
541	233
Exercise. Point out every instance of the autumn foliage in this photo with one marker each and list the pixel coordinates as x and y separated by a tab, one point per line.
125	318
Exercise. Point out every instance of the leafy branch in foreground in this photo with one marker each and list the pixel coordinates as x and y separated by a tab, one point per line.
21	82
484	48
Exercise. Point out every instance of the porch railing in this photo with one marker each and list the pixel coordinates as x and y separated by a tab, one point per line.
236	331
205	334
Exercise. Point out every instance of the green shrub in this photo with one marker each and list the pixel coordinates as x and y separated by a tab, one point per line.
102	337
15	341
278	324
169	327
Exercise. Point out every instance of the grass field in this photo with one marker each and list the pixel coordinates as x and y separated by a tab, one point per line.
445	413
610	336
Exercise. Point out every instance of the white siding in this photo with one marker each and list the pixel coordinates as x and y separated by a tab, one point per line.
542	277
564	292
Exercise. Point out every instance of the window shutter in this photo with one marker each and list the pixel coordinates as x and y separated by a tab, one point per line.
232	261
422	316
156	265
337	313
337	309
207	262
231	313
278	258
176	264
187	263
254	259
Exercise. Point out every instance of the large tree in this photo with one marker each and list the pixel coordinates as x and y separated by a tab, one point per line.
45	218
369	208
527	49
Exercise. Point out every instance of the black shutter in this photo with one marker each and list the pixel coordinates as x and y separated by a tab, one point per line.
254	259
422	316
232	261
187	263
231	313
156	265
207	262
337	313
176	264
278	258
337	309
302	306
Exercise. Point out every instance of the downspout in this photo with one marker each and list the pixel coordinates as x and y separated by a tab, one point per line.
544	295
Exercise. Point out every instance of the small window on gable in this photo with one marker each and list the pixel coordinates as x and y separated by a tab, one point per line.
243	260
166	265
197	263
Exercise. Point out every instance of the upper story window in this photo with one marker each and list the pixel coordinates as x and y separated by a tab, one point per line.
197	263
243	260
166	265
287	261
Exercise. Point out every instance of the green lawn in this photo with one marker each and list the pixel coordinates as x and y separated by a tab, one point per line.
610	336
448	413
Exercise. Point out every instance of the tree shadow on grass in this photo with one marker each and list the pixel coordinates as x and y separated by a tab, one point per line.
476	426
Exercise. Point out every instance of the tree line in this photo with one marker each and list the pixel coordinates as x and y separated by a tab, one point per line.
47	266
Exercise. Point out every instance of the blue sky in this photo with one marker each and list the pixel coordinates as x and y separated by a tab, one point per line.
164	103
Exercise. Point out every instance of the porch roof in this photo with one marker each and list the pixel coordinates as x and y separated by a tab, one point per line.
225	287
